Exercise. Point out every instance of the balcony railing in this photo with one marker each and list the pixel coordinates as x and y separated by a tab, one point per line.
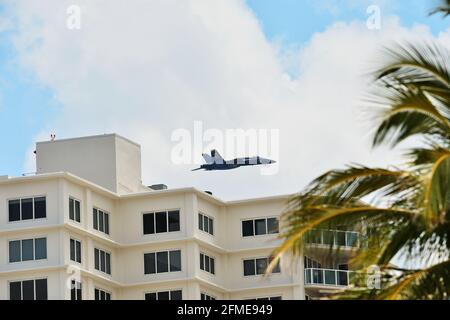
327	277
348	239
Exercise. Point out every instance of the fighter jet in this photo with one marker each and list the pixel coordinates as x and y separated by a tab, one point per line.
216	162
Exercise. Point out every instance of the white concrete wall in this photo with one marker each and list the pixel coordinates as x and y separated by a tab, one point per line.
127	244
91	158
108	160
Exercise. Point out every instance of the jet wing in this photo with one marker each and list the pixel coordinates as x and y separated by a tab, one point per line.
208	158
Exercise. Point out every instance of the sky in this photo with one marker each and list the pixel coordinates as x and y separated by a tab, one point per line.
146	69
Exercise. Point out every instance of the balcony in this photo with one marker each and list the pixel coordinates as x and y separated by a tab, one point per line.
315	277
346	239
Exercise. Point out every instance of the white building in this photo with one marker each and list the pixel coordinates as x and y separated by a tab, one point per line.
86	218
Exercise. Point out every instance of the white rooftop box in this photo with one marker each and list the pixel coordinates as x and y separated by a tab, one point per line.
109	160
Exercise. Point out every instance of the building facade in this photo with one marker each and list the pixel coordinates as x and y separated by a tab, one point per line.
84	227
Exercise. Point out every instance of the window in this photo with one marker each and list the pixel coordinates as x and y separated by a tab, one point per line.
204	296
75	250
164	295
76	291
206	223
27	209
101	221
164	261
102	261
310	263
256	227
162	221
258	266
28	290
102	295
207	263
74	210
28	249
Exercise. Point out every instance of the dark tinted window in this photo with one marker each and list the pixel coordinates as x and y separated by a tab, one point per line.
78	251
206	263
72	249
261	265
77	211
202	261
149	263
97	259
15	290
247	228
163	295
71	209
102	295
41	289
162	264
108	263
150	296
14	210
260	227
176	295
276	269
200	221
175	260
205	224
14	251
73	292
212	267
95	219
101	223
40	208
28	290
106	223
76	291
27	250
249	267
161	222
27	209
102	260
211	226
174	220
40	248
149	223
272	225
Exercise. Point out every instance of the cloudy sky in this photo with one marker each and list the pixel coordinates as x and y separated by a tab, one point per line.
145	68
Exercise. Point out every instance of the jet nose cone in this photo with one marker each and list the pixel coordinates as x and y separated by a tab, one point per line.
267	161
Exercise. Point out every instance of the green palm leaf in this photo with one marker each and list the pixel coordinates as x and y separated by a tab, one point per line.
404	211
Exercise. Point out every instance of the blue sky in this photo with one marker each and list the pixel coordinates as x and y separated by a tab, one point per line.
295	21
27	107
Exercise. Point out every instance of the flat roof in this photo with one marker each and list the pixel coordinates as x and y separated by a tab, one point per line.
150	193
106	135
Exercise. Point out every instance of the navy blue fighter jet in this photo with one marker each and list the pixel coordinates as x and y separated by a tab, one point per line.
216	162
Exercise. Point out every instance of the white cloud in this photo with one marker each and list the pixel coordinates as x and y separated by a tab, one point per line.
147	68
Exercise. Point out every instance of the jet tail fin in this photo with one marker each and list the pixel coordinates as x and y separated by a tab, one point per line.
217	157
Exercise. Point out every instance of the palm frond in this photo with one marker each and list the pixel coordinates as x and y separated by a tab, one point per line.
444	8
414	90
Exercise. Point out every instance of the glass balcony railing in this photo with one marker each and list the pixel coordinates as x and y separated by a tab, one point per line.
327	277
348	239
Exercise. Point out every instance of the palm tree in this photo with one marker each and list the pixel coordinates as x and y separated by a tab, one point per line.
444	8
405	210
